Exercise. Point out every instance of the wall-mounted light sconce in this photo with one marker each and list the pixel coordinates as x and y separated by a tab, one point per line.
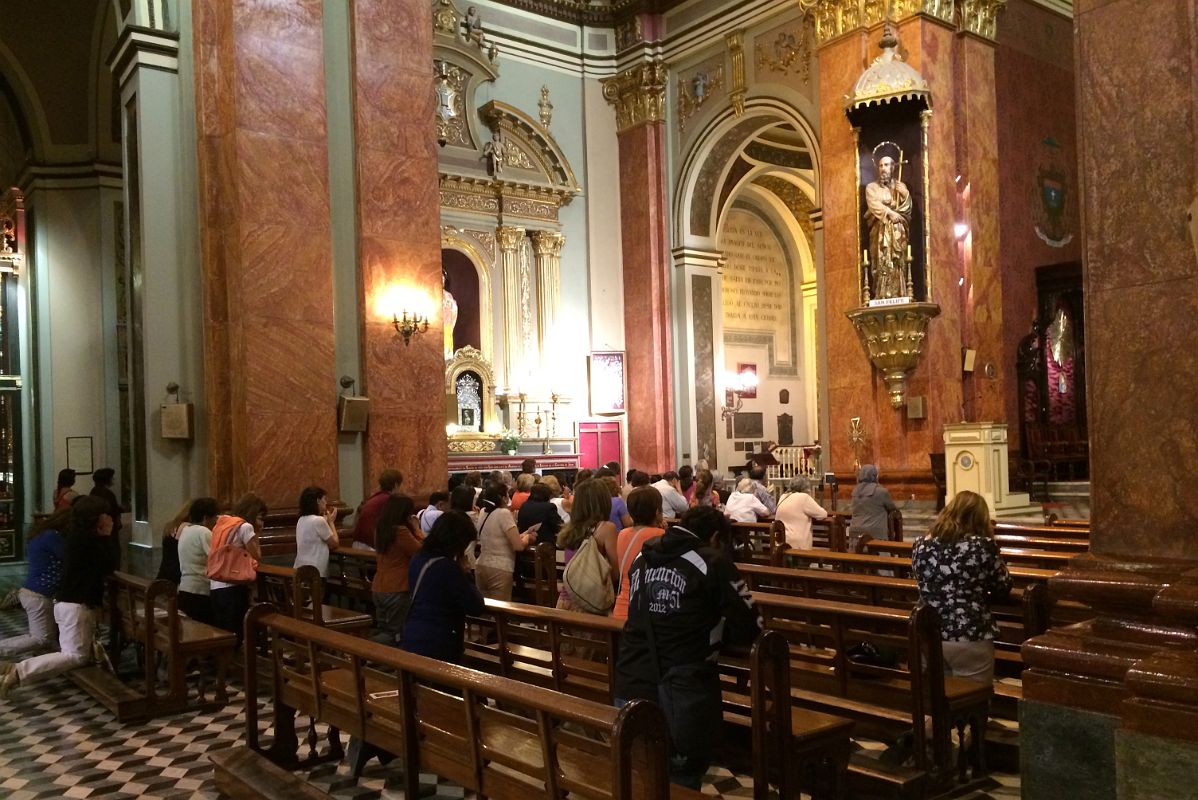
736	386
407	324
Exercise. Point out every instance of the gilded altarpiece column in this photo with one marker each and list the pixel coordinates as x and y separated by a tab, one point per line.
638	95
547	252
511	241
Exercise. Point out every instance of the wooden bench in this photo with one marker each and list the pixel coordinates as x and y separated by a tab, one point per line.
911	694
298	591
351	573
757	540
538	575
145	613
576	654
1042	531
242	774
485	733
1056	555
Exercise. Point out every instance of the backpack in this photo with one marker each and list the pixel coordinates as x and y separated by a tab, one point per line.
228	562
587	579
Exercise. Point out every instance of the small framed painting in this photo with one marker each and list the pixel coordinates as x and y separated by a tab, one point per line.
607	383
79	454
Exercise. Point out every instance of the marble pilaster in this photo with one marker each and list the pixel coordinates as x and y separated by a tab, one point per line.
510	239
399	233
638	95
547	251
265	228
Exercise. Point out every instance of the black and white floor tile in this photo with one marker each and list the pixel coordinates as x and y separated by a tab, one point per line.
56	742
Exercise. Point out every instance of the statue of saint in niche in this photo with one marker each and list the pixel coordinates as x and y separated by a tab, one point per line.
888	215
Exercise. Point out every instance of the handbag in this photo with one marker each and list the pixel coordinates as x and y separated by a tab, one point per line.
229	562
587	579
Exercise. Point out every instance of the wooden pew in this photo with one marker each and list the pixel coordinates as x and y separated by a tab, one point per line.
1024	615
297	592
1045	558
576	654
911	694
486	733
1057	522
1041	531
145	613
757	540
538	575
351	571
857	562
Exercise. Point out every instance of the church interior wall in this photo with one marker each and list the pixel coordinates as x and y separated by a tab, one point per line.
1035	94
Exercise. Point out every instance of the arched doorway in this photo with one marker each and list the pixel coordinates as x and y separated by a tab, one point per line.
748	240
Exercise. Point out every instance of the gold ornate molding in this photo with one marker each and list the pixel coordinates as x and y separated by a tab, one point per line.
502	198
547	243
835	18
697	87
980	17
894	336
736	53
638	94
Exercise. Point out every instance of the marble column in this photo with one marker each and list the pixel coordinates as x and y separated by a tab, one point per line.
1122	688
265	229
399	238
510	239
638	95
547	250
700	278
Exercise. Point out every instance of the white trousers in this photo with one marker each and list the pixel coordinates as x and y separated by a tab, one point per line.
76	631
42	634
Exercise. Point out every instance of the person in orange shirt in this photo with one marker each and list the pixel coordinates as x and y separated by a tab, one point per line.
644	505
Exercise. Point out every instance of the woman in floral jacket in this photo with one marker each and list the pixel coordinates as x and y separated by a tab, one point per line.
960	572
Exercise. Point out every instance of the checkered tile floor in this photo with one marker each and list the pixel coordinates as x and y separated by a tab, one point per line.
56	742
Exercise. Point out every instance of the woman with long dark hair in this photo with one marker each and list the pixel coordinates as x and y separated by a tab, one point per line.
590	517
64	491
442	594
87	560
45	548
316	530
397	538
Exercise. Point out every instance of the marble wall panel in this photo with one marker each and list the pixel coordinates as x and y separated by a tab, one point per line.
1035	99
399	237
1136	114
281	88
643	219
287	452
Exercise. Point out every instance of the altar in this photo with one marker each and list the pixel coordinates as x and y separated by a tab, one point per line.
563	465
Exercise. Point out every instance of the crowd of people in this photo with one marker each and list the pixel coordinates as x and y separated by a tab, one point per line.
654	550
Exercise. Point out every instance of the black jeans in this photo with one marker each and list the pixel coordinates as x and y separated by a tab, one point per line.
228	609
689	697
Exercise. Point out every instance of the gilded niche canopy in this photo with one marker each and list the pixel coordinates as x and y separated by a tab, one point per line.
889	79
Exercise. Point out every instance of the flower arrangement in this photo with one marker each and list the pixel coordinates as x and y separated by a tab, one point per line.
508	442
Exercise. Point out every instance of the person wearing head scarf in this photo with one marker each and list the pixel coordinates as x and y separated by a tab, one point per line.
871	505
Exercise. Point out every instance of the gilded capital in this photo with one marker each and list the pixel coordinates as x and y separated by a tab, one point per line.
638	94
509	237
835	18
547	243
980	17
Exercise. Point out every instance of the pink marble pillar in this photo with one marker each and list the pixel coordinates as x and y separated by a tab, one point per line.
1137	69
264	221
399	247
638	95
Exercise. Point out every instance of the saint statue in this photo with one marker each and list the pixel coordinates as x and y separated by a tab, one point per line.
496	153
888	215
449	313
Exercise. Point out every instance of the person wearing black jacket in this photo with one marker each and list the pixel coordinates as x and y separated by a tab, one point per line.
538	509
87	561
686	599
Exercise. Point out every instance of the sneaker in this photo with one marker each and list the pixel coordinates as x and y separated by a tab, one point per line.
7	684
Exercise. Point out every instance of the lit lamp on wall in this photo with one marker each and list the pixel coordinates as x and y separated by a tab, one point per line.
736	386
407	323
